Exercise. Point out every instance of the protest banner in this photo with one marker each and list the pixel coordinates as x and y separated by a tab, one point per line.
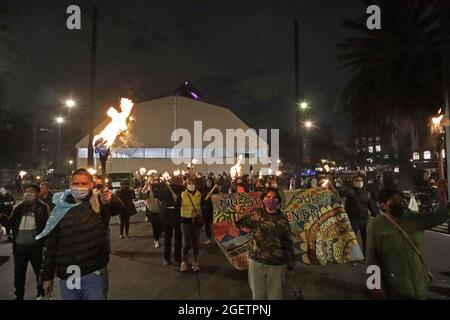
320	227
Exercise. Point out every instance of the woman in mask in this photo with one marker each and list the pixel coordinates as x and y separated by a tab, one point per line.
191	224
270	250
207	209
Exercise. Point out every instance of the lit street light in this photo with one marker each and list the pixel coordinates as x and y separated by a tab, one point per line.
70	103
304	105
308	124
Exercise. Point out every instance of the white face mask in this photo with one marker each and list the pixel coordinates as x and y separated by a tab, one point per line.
3	191
191	187
79	193
359	185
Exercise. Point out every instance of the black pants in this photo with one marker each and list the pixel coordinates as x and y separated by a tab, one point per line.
155	219
169	231
5	223
22	255
360	224
124	223
208	219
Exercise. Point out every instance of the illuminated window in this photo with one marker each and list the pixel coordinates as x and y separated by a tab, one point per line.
371	149
427	155
378	148
443	153
416	156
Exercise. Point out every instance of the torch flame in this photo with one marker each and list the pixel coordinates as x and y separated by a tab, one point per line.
176	173
194	161
166	176
22	174
236	169
150	172
117	125
142	171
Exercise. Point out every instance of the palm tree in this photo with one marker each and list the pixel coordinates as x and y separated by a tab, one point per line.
396	72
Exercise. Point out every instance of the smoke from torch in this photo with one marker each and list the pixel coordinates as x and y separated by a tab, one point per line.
104	141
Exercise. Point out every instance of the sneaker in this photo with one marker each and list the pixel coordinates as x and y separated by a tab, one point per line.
184	266
157	245
121	237
167	262
206	242
195	267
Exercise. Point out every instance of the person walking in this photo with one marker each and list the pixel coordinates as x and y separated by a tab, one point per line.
153	209
27	220
191	224
46	196
394	241
7	203
271	250
358	203
77	238
127	195
208	209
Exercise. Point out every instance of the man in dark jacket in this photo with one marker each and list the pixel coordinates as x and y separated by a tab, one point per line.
6	207
77	247
127	195
27	220
170	219
357	204
46	195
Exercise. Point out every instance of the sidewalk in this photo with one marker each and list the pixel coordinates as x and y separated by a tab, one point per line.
137	272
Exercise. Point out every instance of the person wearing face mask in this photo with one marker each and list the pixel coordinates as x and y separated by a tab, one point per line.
208	209
358	203
27	220
269	256
394	241
153	209
77	234
127	195
6	207
191	224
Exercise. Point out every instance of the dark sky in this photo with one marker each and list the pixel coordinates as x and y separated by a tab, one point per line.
238	53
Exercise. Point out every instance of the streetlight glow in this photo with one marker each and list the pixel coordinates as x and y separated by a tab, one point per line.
70	103
308	124
303	105
59	120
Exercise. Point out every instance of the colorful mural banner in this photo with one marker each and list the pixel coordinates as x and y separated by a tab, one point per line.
321	230
231	240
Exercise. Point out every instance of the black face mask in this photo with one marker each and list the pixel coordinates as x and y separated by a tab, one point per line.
155	186
396	210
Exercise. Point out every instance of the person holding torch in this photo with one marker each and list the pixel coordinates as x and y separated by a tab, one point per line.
77	239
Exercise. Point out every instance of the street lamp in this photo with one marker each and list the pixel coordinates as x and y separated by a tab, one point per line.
308	124
59	121
303	105
70	103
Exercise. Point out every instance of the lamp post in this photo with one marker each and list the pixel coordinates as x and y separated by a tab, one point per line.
70	103
59	121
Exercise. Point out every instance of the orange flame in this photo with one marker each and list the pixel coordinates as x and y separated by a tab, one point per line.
117	125
236	169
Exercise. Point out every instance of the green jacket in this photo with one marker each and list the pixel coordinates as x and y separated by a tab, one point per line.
403	275
270	239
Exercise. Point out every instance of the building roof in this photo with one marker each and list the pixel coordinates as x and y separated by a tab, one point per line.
155	121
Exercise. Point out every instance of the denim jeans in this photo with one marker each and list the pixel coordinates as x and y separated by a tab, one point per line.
93	286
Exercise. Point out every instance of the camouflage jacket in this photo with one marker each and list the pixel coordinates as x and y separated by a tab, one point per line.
270	240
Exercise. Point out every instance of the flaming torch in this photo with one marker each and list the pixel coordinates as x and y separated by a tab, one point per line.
104	141
437	130
235	170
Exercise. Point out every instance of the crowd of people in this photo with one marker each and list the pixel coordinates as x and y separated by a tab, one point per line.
71	228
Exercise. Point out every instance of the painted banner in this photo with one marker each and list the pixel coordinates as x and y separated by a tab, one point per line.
231	240
321	230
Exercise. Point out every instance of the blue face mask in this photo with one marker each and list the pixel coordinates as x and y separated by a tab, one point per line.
79	193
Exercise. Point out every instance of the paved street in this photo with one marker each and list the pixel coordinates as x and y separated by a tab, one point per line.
137	272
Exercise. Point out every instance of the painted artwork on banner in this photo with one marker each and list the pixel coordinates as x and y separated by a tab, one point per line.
321	230
320	227
233	241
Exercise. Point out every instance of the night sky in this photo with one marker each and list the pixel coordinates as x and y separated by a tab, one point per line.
238	53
